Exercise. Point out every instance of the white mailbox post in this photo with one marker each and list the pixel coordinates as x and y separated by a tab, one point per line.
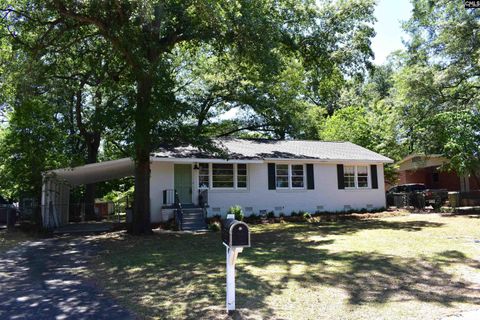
235	236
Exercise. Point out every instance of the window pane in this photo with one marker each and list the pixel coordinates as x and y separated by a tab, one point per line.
241	181
282	181
203	168
297	170
362	173
349	169
203	179
297	176
297	182
242	169
282	169
203	182
282	175
222	175
241	175
349	176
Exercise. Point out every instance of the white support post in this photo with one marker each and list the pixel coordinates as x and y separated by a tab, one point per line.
43	203
230	281
231	257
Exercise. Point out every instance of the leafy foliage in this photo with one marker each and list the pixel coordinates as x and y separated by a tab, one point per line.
237	211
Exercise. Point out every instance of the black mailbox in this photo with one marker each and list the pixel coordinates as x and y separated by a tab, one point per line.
235	233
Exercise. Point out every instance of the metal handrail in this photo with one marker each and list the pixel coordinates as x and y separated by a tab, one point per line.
178	211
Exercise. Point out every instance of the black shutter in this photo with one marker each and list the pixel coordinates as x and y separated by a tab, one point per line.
271	176
164	196
310	180
340	178
373	171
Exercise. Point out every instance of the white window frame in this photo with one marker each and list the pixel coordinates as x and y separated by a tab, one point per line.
288	176
355	169
290	187
368	177
235	178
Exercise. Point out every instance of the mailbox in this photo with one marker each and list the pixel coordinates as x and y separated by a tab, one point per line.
235	234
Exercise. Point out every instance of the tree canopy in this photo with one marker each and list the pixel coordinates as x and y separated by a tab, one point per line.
83	81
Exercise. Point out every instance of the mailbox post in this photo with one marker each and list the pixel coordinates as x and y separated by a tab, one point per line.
235	236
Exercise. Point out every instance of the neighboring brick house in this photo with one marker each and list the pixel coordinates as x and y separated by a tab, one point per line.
427	169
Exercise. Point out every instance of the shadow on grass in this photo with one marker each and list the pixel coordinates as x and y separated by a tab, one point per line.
183	275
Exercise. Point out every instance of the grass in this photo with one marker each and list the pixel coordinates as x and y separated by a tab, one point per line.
9	239
410	267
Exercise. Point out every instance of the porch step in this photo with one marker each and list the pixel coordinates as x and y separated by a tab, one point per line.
192	213
195	227
198	225
193	219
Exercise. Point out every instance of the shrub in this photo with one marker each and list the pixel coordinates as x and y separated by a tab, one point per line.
282	215
294	214
214	226
271	215
214	218
306	215
237	211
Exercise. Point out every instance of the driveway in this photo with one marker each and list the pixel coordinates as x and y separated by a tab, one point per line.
38	281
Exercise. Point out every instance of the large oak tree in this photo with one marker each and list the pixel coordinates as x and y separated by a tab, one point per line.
143	36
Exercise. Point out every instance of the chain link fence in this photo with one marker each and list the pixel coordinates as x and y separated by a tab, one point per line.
108	211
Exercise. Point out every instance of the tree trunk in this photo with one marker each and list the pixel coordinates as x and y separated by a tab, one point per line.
93	143
141	213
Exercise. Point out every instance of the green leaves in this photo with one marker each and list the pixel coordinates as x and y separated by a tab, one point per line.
437	88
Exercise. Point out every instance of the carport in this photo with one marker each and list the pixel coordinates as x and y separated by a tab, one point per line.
58	183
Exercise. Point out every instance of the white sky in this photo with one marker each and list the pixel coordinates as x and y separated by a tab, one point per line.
390	14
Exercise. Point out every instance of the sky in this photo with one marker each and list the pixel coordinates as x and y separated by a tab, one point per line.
389	14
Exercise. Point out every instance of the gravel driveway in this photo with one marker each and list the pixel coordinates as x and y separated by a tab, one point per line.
37	282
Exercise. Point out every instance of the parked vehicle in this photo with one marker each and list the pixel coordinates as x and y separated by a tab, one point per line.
433	197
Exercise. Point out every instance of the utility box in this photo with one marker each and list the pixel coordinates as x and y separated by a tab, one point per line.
235	234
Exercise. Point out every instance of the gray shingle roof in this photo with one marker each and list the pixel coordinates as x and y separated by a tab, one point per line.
259	149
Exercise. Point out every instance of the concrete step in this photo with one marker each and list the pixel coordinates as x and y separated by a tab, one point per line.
193	227
190	222
193	219
193	214
192	210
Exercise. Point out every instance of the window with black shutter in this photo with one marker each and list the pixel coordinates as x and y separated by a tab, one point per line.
373	171
340	176
310	178
271	176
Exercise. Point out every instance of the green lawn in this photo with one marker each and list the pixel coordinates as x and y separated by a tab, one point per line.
410	267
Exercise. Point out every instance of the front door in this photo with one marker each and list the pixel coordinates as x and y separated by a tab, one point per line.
183	182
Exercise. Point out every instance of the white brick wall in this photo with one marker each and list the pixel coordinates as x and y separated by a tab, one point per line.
257	196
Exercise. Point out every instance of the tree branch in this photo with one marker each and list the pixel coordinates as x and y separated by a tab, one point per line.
104	30
252	127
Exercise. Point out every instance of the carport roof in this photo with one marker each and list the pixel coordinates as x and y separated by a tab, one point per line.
95	172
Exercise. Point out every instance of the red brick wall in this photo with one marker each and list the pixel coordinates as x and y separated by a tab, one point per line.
411	176
473	184
446	179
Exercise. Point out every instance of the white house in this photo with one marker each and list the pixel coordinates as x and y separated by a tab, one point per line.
259	175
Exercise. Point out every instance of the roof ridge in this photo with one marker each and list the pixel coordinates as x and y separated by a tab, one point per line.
282	140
